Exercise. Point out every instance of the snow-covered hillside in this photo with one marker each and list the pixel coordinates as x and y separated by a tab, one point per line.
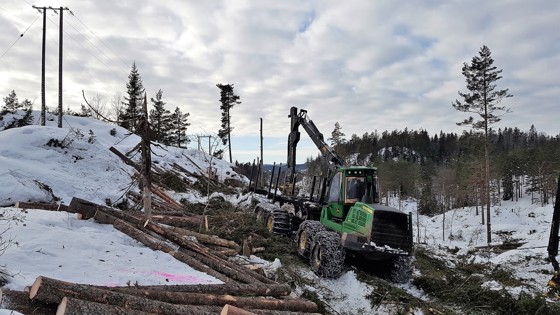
34	170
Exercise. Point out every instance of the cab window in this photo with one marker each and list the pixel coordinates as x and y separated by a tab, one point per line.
334	190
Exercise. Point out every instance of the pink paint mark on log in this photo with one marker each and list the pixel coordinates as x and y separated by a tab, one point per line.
177	278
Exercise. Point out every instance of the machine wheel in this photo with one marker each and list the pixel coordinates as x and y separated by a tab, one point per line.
305	234
401	269
261	214
327	255
278	222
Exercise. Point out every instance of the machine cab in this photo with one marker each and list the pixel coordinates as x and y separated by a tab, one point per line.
350	185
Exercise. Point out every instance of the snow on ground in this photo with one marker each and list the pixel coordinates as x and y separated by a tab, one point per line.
519	222
58	245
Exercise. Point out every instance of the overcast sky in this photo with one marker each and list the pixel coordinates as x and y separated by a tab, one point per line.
369	65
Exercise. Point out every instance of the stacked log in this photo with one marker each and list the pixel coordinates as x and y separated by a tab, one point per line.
73	298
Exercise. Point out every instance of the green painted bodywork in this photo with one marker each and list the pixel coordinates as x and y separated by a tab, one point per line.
358	221
354	217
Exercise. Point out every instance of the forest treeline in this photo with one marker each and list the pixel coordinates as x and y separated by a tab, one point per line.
446	170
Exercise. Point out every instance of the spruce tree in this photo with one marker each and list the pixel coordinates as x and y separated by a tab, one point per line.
160	119
178	131
227	99
133	103
482	99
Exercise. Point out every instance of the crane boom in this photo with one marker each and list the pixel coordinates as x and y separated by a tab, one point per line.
316	136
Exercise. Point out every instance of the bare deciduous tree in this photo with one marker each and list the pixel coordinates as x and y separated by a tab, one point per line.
116	107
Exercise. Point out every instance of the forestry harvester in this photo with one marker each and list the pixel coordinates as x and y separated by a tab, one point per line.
347	217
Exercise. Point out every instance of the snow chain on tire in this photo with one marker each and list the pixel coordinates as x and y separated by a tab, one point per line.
327	255
278	222
401	269
305	235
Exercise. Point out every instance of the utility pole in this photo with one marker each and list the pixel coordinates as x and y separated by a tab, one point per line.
43	104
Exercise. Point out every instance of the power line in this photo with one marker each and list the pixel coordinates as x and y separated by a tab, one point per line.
95	46
79	20
20	36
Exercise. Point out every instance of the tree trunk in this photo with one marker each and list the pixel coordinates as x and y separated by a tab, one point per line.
73	306
41	206
205	238
86	209
53	291
228	288
297	305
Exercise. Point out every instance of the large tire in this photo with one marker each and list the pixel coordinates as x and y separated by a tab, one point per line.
305	235
401	269
327	255
278	222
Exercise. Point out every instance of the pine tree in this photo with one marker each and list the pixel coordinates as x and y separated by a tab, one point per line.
482	100
133	103
160	119
178	131
227	99
337	136
11	103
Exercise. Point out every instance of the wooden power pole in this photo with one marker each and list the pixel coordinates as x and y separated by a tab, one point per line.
60	32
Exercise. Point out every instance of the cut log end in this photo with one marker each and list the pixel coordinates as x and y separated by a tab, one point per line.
61	310
35	287
232	310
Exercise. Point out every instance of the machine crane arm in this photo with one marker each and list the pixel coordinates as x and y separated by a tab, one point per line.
298	119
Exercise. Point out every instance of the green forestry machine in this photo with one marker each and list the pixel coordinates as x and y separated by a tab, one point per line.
346	219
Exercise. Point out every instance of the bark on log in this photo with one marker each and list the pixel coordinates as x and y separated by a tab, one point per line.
72	306
178	221
206	239
53	291
228	288
19	301
159	205
125	159
232	310
160	193
86	209
297	305
272	312
41	206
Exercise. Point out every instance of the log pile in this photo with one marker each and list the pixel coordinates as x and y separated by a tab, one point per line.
243	291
